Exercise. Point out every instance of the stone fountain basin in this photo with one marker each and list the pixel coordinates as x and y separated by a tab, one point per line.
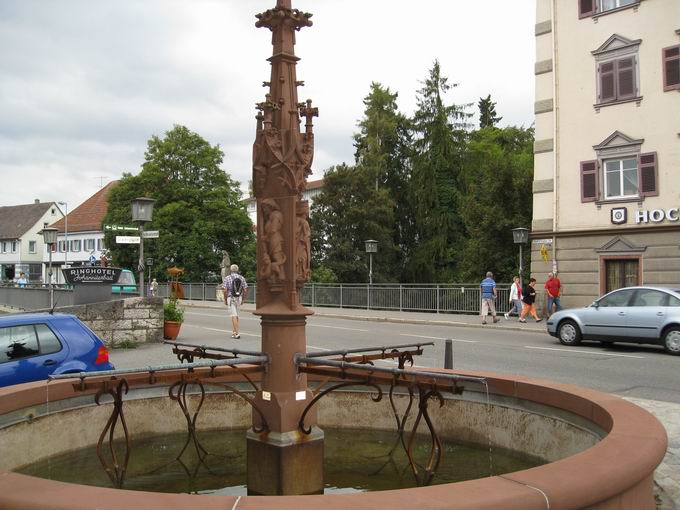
602	450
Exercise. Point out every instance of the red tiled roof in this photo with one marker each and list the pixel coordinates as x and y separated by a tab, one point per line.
88	216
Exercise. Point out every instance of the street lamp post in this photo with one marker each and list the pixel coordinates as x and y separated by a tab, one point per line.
142	211
65	204
50	237
371	248
520	236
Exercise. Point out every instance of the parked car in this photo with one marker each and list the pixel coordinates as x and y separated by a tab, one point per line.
35	346
126	283
649	315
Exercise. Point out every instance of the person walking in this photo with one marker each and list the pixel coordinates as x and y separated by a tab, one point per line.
529	299
553	288
235	289
22	280
154	288
515	298
488	291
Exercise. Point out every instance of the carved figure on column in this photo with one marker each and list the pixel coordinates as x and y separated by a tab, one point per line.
303	238
274	256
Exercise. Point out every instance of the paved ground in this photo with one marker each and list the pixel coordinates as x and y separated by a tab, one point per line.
207	323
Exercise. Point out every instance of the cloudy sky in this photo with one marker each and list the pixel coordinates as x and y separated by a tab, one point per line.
85	83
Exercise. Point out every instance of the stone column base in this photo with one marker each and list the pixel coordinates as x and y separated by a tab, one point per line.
285	464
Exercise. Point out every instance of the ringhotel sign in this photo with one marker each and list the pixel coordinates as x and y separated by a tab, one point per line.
619	215
91	275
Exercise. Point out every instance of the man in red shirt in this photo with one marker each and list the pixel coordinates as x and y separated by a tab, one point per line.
553	287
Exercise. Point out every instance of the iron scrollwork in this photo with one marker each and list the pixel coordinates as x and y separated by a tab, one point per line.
114	469
320	395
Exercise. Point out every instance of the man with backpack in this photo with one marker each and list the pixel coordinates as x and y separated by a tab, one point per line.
235	289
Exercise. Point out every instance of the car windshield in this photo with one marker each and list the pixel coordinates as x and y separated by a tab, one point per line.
126	278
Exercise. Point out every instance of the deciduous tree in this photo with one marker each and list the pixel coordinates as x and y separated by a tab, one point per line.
198	209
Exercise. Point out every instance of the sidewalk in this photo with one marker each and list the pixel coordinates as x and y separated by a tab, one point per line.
667	475
395	316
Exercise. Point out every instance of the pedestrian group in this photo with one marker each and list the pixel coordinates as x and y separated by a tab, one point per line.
522	299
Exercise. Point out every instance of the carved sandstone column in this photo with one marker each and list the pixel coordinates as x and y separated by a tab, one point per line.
282	460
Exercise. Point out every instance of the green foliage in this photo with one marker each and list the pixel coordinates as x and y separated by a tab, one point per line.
439	144
198	209
496	186
440	199
348	212
322	274
487	113
173	312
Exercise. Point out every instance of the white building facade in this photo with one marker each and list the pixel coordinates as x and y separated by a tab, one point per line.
21	244
607	153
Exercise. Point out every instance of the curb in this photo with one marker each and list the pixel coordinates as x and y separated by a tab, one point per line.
398	320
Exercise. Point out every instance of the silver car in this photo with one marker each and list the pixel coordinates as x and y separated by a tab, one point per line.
649	315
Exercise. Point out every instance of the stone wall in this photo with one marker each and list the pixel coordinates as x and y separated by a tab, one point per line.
138	320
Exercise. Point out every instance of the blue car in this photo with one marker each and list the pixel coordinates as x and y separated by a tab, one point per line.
35	346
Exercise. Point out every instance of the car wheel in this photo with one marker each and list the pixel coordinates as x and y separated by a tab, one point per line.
671	340
569	333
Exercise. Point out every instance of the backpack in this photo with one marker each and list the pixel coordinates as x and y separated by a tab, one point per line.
236	287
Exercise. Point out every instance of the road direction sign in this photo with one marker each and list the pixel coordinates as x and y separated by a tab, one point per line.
120	228
151	234
128	239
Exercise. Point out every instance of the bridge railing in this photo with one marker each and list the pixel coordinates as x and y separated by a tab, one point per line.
438	298
444	298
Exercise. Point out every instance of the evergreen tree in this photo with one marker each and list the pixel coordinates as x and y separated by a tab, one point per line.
198	209
344	215
382	151
497	197
487	113
439	140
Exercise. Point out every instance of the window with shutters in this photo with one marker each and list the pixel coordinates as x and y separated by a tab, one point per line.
588	8
617	71
621	172
671	68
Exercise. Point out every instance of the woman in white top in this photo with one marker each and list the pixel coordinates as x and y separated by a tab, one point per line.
515	298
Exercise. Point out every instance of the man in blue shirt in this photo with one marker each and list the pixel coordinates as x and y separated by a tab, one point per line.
488	291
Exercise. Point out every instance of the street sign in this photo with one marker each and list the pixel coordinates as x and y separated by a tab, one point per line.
542	241
149	262
120	228
128	239
151	234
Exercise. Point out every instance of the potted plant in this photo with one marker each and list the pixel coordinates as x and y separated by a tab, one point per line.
173	319
172	313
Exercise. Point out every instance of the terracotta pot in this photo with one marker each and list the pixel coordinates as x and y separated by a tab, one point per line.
171	330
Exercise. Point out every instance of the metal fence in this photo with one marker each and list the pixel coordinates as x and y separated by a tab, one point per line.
441	298
438	298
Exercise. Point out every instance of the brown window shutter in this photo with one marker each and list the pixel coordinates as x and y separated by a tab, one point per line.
607	73
626	77
671	68
589	181
586	8
648	175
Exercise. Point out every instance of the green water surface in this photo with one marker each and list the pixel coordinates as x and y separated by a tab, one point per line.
355	461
